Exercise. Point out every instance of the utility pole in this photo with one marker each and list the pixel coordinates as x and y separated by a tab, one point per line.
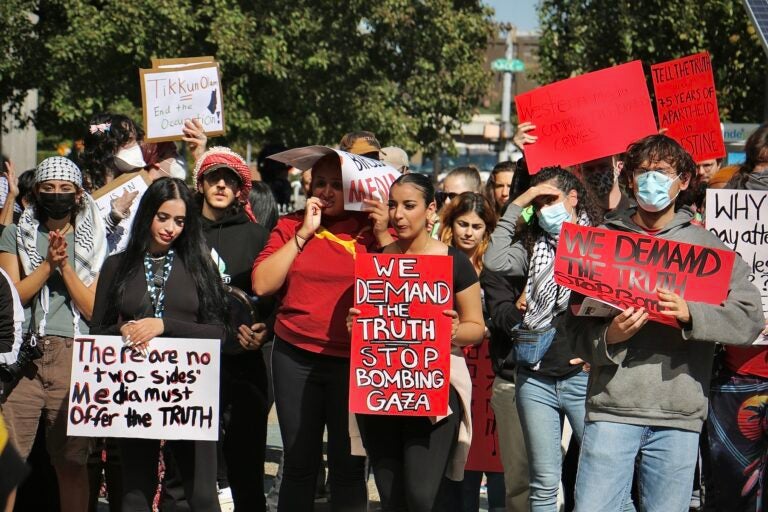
506	96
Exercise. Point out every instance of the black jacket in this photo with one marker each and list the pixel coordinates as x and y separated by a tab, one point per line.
500	293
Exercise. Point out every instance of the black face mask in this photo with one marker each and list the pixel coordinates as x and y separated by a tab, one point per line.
56	205
600	181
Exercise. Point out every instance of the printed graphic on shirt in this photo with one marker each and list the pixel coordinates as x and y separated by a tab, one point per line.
221	265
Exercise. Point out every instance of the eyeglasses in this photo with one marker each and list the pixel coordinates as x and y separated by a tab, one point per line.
643	170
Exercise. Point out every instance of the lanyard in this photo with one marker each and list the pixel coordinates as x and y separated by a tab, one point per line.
157	294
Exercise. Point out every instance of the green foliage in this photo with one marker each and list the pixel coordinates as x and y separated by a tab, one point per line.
586	35
300	71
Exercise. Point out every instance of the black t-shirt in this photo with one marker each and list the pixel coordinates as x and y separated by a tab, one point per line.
464	274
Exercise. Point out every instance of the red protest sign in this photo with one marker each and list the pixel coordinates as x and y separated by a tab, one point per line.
625	269
586	117
484	454
401	341
687	105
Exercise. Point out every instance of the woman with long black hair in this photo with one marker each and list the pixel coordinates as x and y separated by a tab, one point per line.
163	284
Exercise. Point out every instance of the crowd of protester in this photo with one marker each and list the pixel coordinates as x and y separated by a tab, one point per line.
642	406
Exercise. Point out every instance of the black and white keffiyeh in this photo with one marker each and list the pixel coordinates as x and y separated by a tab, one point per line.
90	236
545	298
58	168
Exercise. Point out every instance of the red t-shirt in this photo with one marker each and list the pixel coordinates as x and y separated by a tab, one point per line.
317	293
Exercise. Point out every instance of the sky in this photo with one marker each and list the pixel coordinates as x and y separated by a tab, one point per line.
519	12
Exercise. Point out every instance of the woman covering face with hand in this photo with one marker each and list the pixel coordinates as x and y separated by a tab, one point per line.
410	455
309	263
163	284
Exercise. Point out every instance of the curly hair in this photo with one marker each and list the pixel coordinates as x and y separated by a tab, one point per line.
469	202
658	148
565	181
100	147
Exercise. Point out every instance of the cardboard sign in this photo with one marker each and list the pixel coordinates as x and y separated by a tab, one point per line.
364	178
401	342
484	453
170	96
172	394
687	105
587	117
739	218
117	240
181	62
625	269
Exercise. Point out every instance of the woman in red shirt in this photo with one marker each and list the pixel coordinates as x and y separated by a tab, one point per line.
309	264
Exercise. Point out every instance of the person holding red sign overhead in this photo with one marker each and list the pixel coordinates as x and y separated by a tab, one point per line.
309	263
409	454
551	383
647	387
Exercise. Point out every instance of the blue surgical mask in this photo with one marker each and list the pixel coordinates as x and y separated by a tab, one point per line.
551	218
653	191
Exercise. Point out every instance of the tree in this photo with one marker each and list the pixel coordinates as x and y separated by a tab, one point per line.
300	71
582	36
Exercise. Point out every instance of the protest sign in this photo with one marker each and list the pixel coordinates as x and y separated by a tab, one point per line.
484	453
180	62
625	269
586	117
687	105
170	96
364	178
173	393
117	240
739	218
401	341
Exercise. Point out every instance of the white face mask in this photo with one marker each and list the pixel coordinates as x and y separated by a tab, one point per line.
128	159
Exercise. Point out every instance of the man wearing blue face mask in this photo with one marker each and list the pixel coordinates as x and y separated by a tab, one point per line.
648	380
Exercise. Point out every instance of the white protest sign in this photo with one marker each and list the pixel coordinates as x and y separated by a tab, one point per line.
171	96
171	394
739	218
117	240
364	178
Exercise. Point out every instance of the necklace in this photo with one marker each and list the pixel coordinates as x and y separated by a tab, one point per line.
156	280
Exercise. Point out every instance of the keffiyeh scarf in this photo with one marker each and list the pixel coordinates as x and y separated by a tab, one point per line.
545	298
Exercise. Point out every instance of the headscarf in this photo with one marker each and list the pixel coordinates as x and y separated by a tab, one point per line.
90	235
219	156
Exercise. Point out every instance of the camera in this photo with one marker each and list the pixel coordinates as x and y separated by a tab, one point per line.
28	352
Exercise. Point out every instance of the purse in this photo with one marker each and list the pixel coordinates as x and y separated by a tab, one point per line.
242	311
530	345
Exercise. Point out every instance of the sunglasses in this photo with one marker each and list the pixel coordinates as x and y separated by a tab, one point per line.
441	197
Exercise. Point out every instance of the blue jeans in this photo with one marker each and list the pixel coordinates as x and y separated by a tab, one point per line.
607	462
542	402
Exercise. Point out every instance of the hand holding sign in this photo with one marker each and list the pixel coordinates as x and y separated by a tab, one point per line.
625	325
138	333
522	136
675	306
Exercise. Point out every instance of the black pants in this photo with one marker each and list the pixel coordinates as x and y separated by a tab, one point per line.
244	404
196	462
409	456
311	393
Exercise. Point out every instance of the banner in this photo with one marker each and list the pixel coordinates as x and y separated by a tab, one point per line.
625	269
587	117
401	342
364	178
484	452
173	393
172	95
131	182
687	105
740	219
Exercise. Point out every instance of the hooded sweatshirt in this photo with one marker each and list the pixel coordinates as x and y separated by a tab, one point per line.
660	376
235	242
